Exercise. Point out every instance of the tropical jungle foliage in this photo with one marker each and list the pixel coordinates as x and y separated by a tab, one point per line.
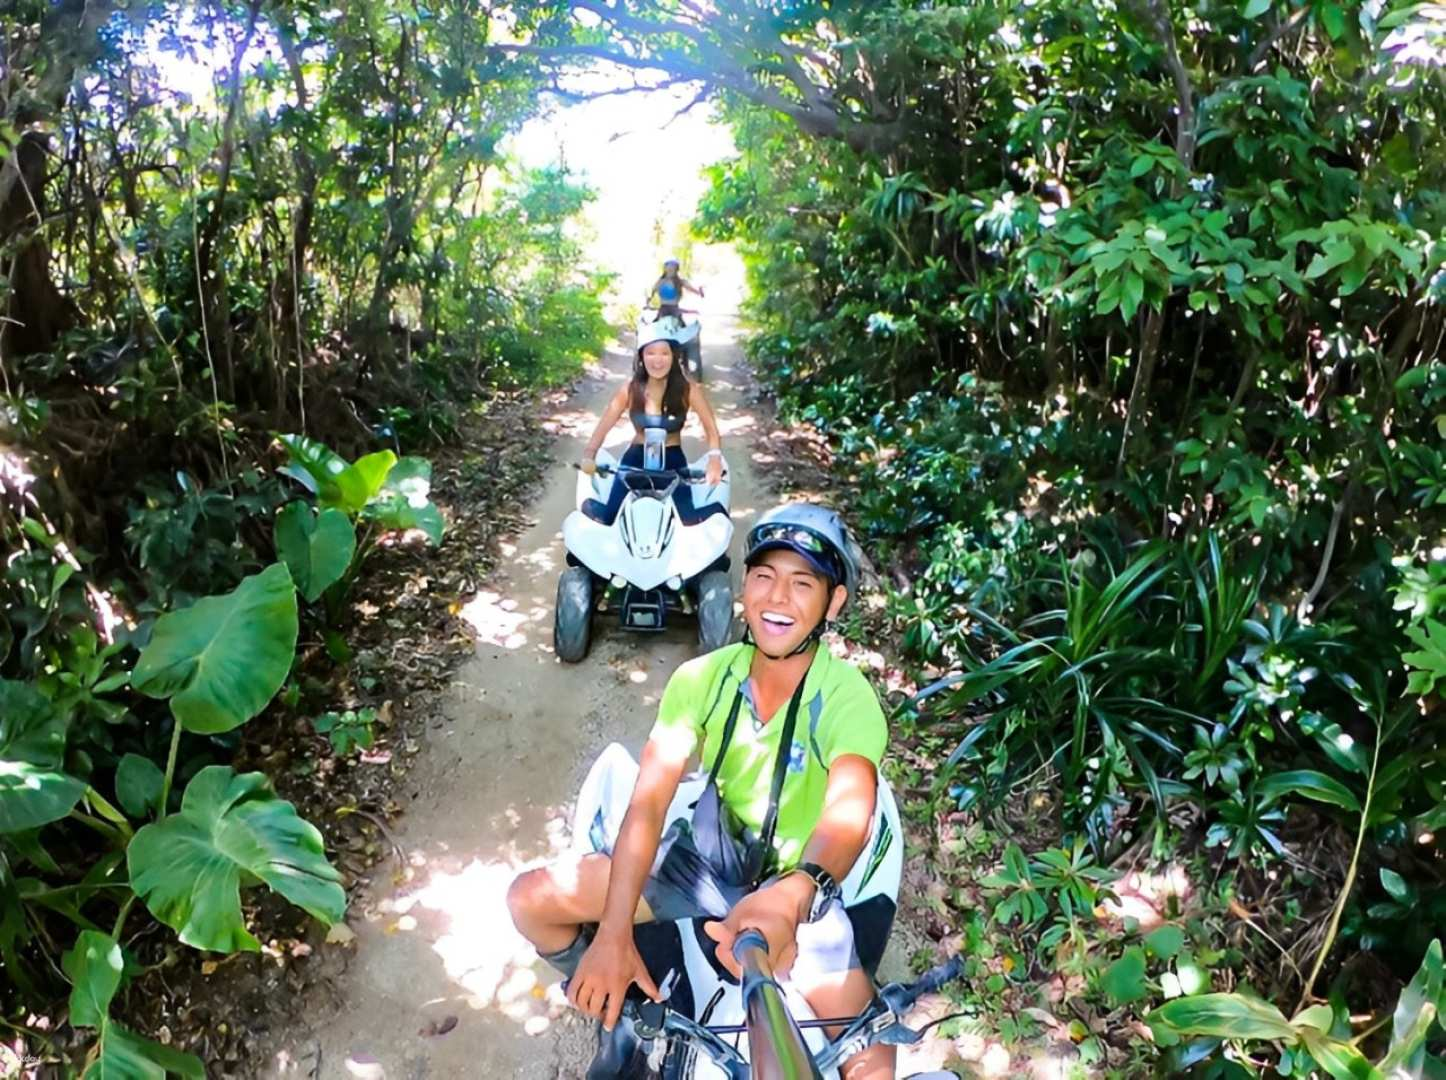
1123	324
199	302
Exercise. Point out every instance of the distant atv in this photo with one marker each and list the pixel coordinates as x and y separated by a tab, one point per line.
687	333
647	565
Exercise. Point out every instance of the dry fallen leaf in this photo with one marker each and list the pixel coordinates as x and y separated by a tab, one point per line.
439	1027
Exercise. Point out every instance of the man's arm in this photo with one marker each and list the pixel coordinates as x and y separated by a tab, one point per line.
835	844
640	833
612	963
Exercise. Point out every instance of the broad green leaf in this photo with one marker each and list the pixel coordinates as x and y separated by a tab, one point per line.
189	867
315	466
1309	784
1342	1060
1224	1016
124	1055
34	790
222	659
94	965
1429	660
1336	252
361	481
1165	941
1256	8
1124	980
1131	294
1416	1010
1396	885
393	513
1320	1017
317	547
403	502
138	783
1194	977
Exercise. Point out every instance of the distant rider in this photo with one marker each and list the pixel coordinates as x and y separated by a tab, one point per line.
780	684
659	395
669	290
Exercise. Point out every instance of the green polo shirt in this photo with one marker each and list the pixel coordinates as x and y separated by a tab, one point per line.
839	714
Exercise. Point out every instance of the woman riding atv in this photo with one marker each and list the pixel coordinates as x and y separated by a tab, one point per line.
669	290
659	396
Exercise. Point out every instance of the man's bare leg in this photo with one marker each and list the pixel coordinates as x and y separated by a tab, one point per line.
848	995
550	905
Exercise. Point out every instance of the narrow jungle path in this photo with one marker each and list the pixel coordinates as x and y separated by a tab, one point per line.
440	985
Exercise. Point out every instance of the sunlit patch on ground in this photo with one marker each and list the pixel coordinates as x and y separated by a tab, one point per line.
500	620
1150	898
573	423
464	913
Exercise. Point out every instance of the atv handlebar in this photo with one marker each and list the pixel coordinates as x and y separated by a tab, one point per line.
934	978
687	476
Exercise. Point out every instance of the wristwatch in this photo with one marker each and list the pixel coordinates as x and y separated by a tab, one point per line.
825	892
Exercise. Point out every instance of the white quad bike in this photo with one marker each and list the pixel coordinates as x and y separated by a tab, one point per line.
687	333
647	565
695	1034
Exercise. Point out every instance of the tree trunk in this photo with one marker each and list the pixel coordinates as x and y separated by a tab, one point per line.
36	311
1144	372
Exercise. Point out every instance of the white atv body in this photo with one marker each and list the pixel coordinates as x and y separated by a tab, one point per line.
647	563
870	896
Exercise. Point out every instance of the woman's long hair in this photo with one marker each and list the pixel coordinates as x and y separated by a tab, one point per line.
675	394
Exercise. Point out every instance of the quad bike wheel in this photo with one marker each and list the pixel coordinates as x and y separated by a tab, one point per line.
572	620
693	357
715	611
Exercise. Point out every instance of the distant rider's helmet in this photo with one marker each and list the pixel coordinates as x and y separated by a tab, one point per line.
817	534
670	263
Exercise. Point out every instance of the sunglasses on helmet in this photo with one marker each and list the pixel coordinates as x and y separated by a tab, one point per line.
802	540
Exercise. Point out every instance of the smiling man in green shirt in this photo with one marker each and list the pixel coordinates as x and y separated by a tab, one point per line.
744	700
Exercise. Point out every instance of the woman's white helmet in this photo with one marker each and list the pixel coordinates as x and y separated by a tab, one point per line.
671	260
659	330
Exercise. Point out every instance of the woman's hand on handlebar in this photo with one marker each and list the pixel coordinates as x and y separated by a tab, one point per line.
714	471
588	465
610	965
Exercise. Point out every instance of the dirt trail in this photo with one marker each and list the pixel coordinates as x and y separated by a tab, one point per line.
495	786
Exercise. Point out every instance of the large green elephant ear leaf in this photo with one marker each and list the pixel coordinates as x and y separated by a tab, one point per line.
314	465
124	1055
363	480
403	502
224	657
33	788
188	868
95	966
316	547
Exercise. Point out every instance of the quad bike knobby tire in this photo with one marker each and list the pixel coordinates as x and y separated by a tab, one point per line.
715	611
572	620
693	357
